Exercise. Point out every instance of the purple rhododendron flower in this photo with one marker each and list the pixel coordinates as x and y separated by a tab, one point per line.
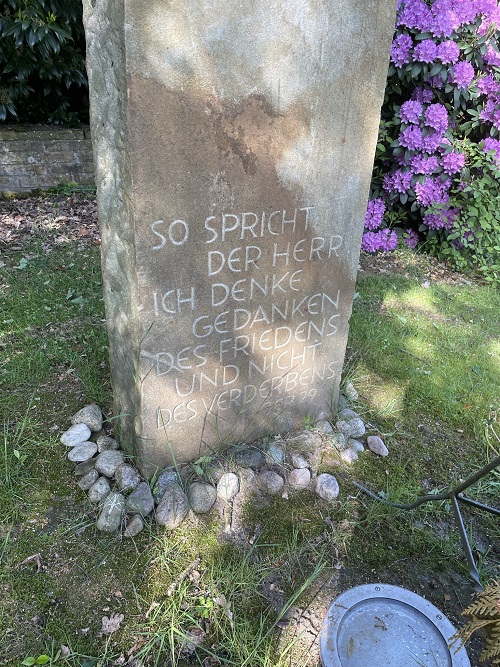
415	14
491	144
400	50
448	52
442	220
488	85
422	95
385	240
423	164
463	74
453	162
432	141
374	214
436	117
400	181
411	239
492	56
411	138
425	51
431	191
410	112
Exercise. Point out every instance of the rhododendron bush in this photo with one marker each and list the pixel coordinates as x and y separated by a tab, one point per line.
436	179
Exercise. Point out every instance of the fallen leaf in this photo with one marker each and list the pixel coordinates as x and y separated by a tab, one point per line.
111	624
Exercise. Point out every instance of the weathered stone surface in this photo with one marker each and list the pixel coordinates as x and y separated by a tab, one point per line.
173	508
270	482
299	478
377	445
297	460
356	445
88	479
327	487
99	490
352	428
110	518
76	435
108	461
250	457
338	440
82	452
229	247
330	457
348	414
228	486
350	391
127	477
90	415
324	426
134	526
104	442
84	467
306	441
201	497
140	501
164	479
275	453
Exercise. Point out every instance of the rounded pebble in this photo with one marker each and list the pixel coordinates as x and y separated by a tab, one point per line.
110	518
107	462
298	461
104	442
88	480
250	457
324	426
140	501
82	452
356	445
270	482
76	435
90	415
228	486
349	455
201	497
275	453
300	478
327	487
84	467
376	445
134	526
127	477
173	508
99	490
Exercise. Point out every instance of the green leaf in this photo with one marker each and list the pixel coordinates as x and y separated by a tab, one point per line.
29	661
42	660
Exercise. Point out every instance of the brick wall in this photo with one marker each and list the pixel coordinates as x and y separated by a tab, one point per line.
43	158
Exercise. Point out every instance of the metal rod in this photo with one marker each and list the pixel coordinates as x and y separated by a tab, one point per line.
466	546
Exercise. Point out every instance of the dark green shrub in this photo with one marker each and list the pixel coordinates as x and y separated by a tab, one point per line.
42	62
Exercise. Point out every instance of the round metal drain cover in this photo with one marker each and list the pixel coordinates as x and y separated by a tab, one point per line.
378	625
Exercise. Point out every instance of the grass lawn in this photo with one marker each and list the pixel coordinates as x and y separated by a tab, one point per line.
424	355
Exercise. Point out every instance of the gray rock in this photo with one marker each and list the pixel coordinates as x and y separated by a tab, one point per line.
352	428
349	455
305	441
113	509
127	477
201	497
164	479
140	501
275	453
250	457
377	445
107	462
76	435
104	443
299	478
134	526
84	467
173	507
350	391
324	426
348	414
327	487
82	452
342	402
90	415
99	490
338	440
298	461
228	486
270	482
356	445
88	479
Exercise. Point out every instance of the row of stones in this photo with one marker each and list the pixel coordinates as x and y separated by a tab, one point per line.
120	491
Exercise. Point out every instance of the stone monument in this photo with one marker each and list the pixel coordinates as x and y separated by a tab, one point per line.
233	147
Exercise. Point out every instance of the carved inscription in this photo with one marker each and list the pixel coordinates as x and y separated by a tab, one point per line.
258	320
